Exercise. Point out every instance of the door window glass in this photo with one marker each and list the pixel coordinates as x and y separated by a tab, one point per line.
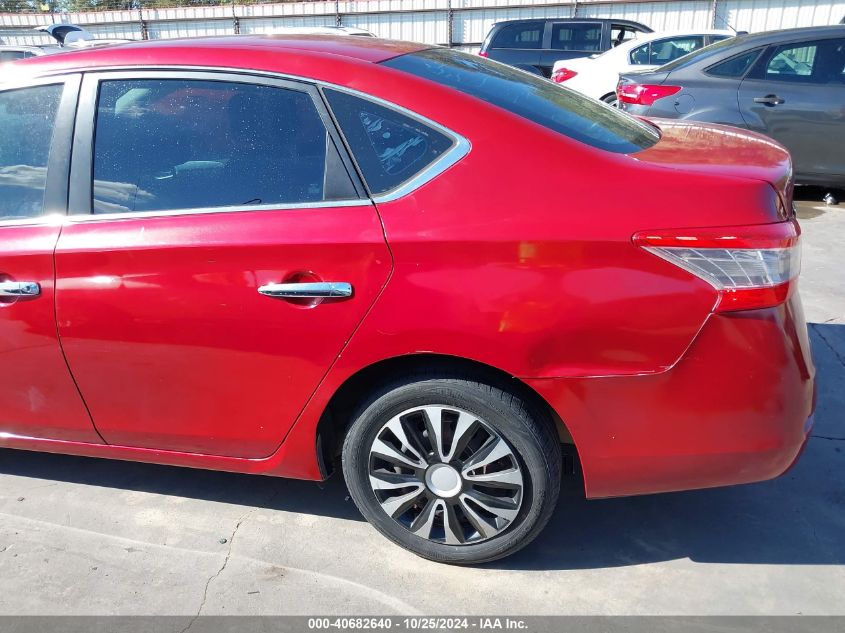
621	33
27	119
172	144
576	36
817	62
390	148
793	63
520	35
665	51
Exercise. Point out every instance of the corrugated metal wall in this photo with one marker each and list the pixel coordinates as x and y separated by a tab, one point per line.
425	20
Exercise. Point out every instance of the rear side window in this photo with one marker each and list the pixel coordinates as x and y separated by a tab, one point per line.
172	144
532	98
389	147
736	66
576	36
519	35
27	119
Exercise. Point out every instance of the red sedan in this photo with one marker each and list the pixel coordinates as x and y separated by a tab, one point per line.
261	254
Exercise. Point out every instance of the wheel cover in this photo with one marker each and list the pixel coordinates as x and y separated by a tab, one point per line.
445	475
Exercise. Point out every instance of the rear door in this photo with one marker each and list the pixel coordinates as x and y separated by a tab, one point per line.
39	397
796	95
217	263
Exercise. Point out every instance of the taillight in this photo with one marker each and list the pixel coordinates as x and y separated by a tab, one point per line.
750	266
562	74
483	53
644	94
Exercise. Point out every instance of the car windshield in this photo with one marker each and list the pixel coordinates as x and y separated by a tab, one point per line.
532	98
701	53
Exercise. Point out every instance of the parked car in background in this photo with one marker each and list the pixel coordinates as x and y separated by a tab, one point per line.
789	85
322	30
598	75
67	37
535	45
261	254
10	53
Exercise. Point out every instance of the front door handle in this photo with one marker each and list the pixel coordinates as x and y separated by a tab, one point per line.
308	290
19	289
769	100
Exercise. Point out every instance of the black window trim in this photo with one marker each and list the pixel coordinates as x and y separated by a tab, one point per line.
460	147
80	200
59	158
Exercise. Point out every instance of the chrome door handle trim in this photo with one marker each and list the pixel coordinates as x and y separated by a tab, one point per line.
769	100
307	290
19	289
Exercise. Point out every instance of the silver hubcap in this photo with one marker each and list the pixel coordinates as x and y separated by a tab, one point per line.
445	475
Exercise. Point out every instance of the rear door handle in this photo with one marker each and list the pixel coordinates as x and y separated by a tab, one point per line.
19	289
307	290
770	100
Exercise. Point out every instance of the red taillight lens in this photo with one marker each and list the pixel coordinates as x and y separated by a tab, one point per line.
751	266
644	94
483	53
562	74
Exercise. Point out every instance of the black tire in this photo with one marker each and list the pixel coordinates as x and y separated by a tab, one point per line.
612	99
527	430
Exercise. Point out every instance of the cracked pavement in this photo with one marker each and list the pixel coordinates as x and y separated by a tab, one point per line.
86	536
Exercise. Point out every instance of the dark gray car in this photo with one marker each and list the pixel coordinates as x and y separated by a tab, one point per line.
535	45
789	85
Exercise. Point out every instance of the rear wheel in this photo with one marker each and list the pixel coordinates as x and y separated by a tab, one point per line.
611	100
453	470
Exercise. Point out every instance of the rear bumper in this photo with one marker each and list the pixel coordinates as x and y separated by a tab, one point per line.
736	408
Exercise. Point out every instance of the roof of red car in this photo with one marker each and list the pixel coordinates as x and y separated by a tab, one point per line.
366	49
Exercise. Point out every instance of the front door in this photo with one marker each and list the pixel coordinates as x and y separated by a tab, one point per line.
796	95
218	262
39	397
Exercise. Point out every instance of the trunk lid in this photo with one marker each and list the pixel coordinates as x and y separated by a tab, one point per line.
722	150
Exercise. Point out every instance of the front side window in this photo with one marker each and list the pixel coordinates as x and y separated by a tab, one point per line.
519	35
27	120
665	51
173	144
819	62
389	147
792	63
530	97
576	36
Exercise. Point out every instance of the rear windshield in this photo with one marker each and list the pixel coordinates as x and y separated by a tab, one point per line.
532	98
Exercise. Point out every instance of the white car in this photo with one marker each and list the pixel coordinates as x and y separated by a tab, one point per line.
596	76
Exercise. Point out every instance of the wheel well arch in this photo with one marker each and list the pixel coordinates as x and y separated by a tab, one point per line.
339	412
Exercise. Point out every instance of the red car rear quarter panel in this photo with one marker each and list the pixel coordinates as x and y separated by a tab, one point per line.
733	410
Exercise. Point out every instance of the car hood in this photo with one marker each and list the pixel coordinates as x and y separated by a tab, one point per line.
721	149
